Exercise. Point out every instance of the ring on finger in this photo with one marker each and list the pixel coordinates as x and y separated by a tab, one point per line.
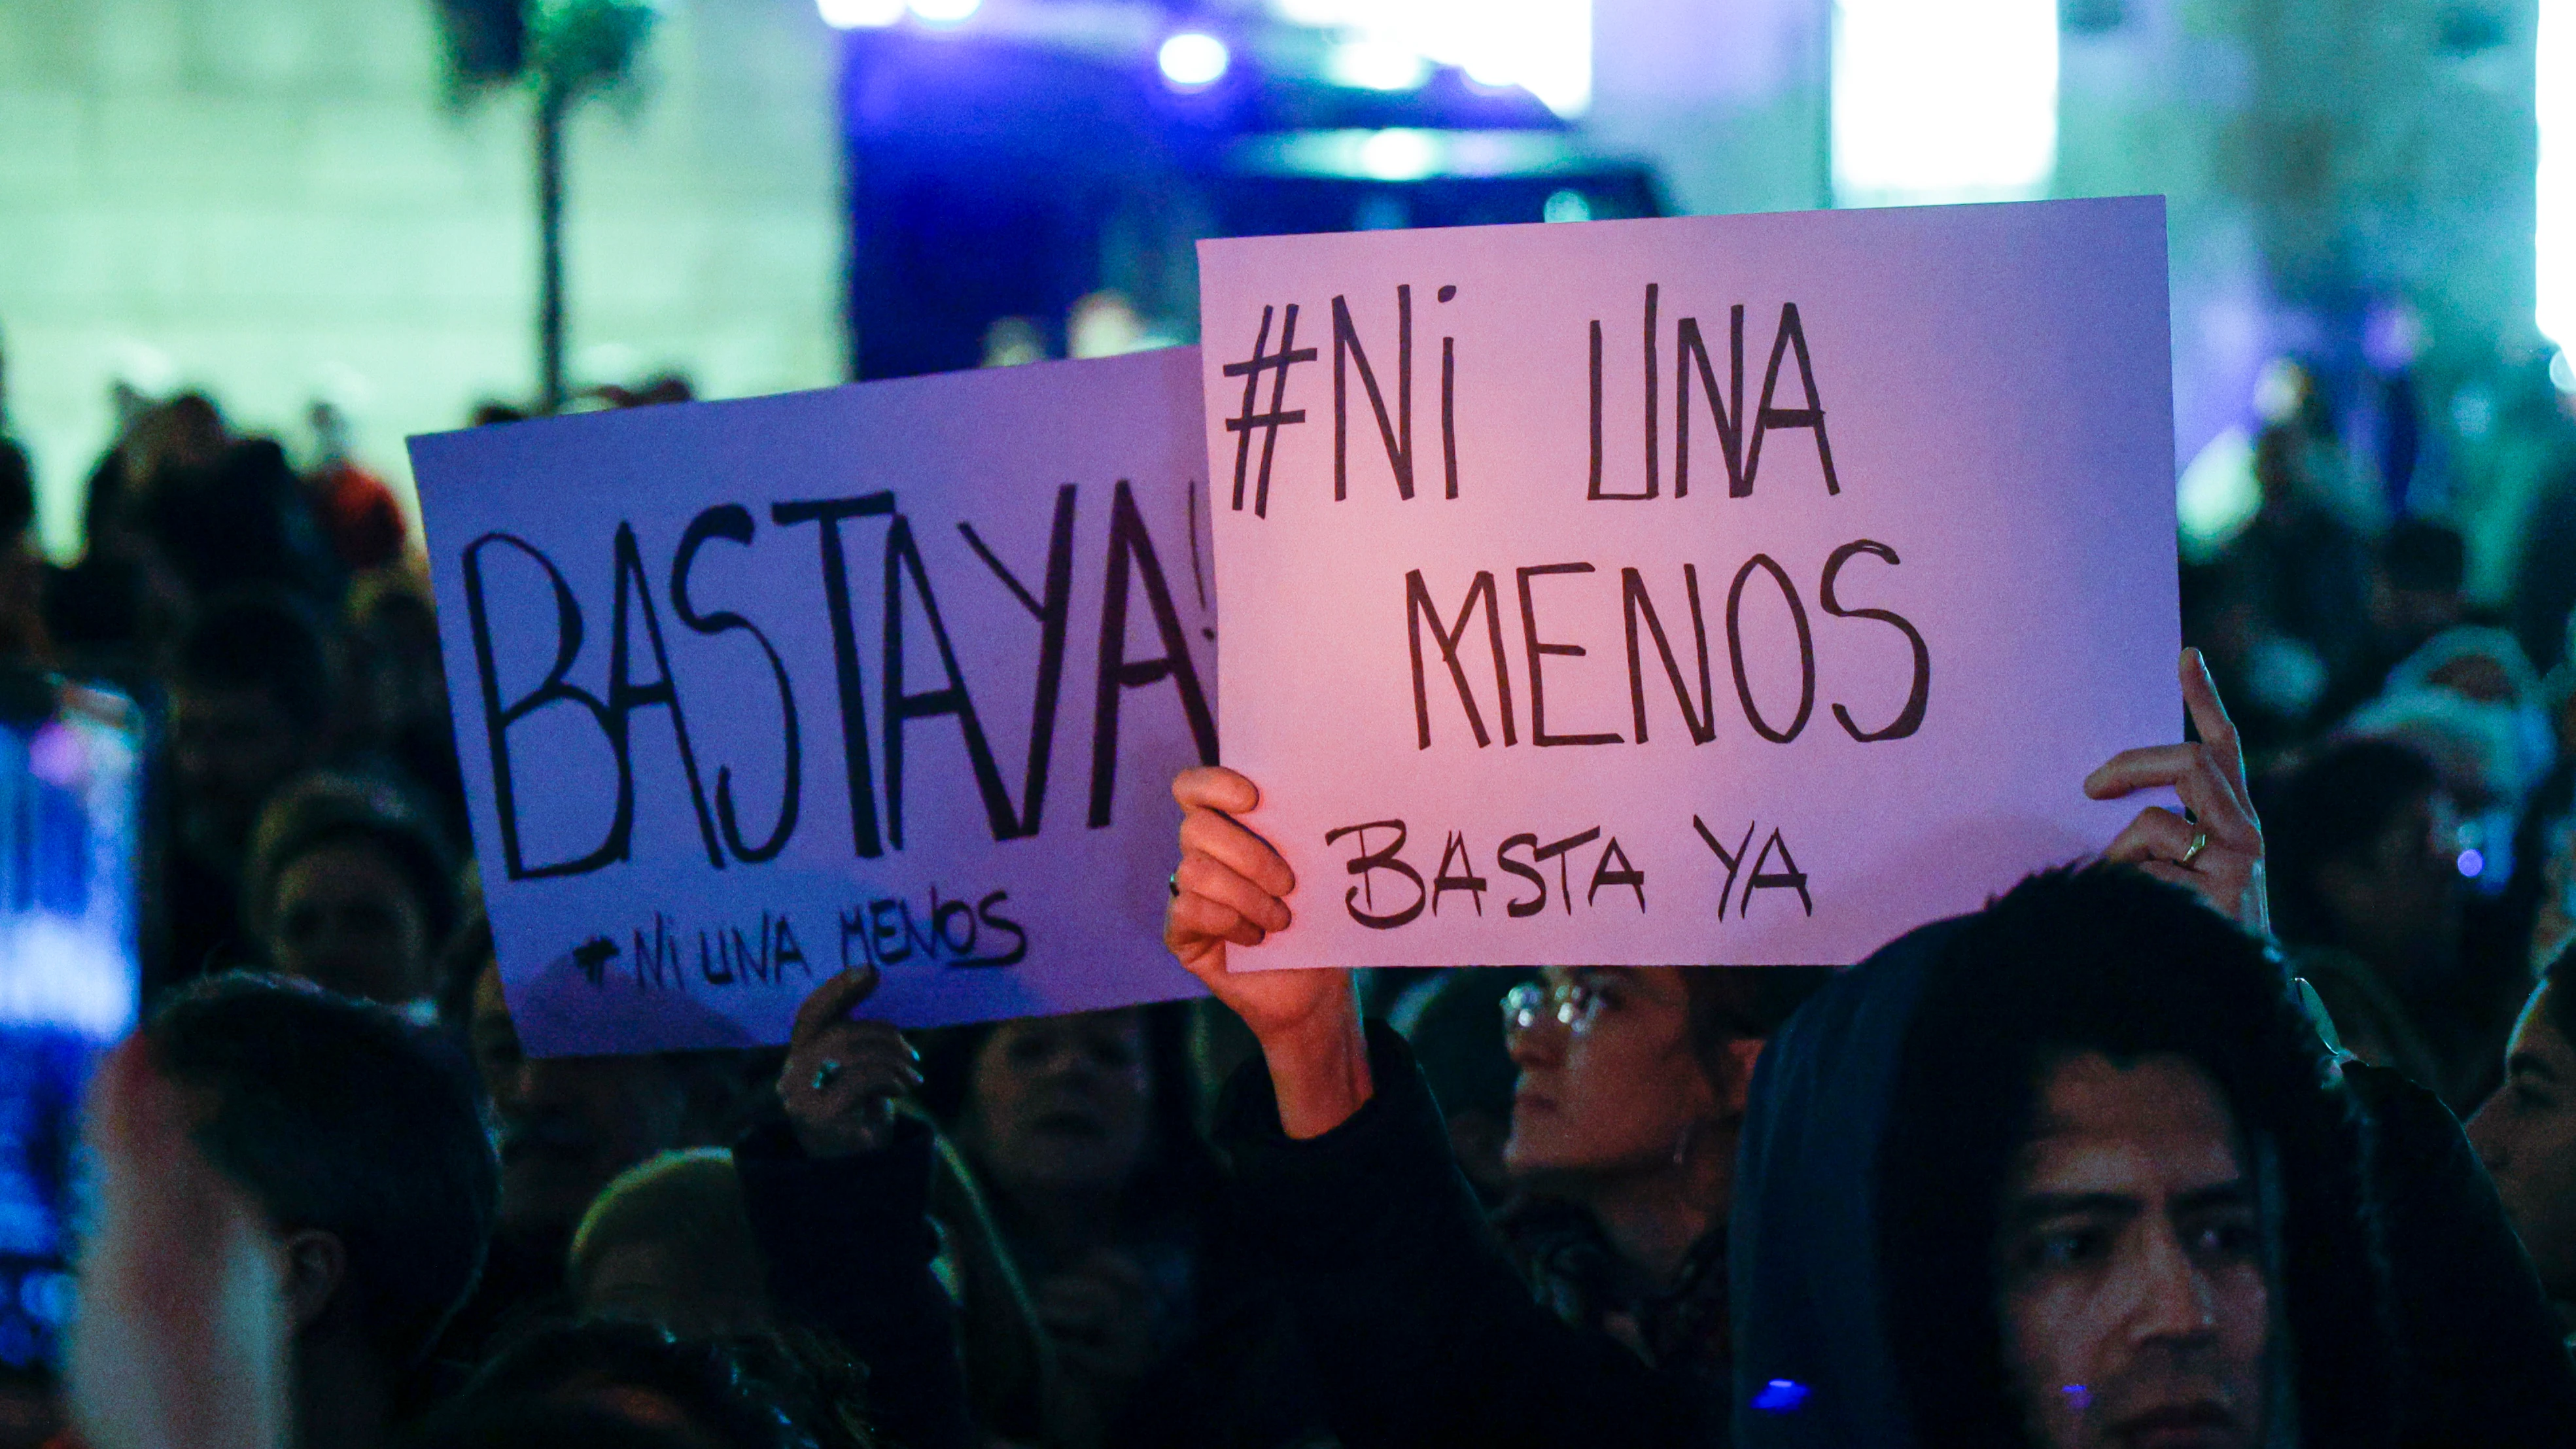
826	1074
2199	843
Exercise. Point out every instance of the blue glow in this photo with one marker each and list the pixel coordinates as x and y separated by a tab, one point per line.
945	12
2473	862
2080	1394
2554	181
1193	60
1781	1396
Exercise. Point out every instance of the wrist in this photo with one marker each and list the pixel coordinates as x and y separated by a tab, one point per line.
1319	1070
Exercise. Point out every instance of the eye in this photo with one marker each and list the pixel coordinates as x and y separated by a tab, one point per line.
2069	1247
2529	1098
2228	1239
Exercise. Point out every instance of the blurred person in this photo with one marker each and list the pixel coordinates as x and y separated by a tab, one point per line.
350	886
250	689
1629	1106
567	1127
1468	1065
396	699
817	1223
295	1190
23	636
2367	893
1081	1132
109	611
238	520
2304	571
2418	569
2469	698
2526	1133
1989	1199
358	515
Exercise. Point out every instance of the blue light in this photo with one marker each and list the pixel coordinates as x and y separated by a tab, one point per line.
1781	1396
2473	862
945	12
1193	60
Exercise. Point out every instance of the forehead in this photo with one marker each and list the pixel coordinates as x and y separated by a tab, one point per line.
2154	1124
1662	982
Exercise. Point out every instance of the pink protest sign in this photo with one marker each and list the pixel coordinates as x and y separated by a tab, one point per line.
1734	589
895	674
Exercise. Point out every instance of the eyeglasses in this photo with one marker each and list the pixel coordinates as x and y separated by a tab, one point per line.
1571	1003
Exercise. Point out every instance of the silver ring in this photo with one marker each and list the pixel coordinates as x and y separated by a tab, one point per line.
2199	843
826	1074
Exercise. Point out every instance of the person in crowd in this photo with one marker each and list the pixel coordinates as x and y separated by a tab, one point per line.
1986	1198
250	689
110	611
1410	1310
2369	897
1080	1129
2526	1133
24	639
671	1242
351	887
567	1127
396	697
1468	1066
238	521
2301	568
359	519
739	1392
295	1195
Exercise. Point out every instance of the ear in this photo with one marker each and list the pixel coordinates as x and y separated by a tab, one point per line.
317	1263
1741	1055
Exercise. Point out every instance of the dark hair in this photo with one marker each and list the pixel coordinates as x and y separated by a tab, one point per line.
2106	959
750	1391
2327	808
2417	553
263	640
1729	1004
338	1115
325	808
17	492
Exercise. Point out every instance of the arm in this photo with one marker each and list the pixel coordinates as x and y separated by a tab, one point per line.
839	1202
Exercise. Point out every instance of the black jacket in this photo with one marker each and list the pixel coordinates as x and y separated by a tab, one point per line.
1420	1332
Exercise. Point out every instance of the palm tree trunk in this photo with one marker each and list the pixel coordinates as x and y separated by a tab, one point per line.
550	280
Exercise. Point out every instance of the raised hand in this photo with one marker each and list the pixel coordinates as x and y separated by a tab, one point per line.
843	1077
2219	850
1228	891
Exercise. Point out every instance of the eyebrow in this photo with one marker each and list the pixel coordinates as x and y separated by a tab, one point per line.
2530	1064
2040	1207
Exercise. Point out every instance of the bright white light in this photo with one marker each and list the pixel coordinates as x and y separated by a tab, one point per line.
2554	61
1400	155
1374	65
1950	102
1193	60
945	12
860	14
1542	46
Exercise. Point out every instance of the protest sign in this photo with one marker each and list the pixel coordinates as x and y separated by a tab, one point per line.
899	673
1716	590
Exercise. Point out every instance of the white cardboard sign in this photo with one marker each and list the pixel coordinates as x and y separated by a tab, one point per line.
1737	590
898	673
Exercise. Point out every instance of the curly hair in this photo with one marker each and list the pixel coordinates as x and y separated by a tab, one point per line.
2104	959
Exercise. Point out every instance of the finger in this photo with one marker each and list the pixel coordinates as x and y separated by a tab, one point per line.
2170	873
2209	713
1214	787
833	1000
2157	834
2143	768
1204	832
1194	921
1204	876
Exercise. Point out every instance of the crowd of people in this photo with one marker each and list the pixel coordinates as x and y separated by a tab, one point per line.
2164	1148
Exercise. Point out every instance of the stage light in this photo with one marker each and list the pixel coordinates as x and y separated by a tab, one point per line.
1541	46
945	12
860	14
1400	154
1567	205
1373	65
1954	102
1193	60
2554	98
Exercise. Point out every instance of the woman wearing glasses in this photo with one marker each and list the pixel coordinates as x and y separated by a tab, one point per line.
1632	1087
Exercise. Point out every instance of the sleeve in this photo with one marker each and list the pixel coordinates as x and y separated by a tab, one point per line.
2484	1359
849	1245
1420	1331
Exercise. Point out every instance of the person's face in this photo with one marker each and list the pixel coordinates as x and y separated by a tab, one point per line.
1061	1102
2128	1263
346	917
229	748
568	1124
2397	901
2526	1134
1614	1092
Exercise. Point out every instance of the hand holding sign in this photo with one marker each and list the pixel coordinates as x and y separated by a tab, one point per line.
843	1077
1228	889
2219	850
